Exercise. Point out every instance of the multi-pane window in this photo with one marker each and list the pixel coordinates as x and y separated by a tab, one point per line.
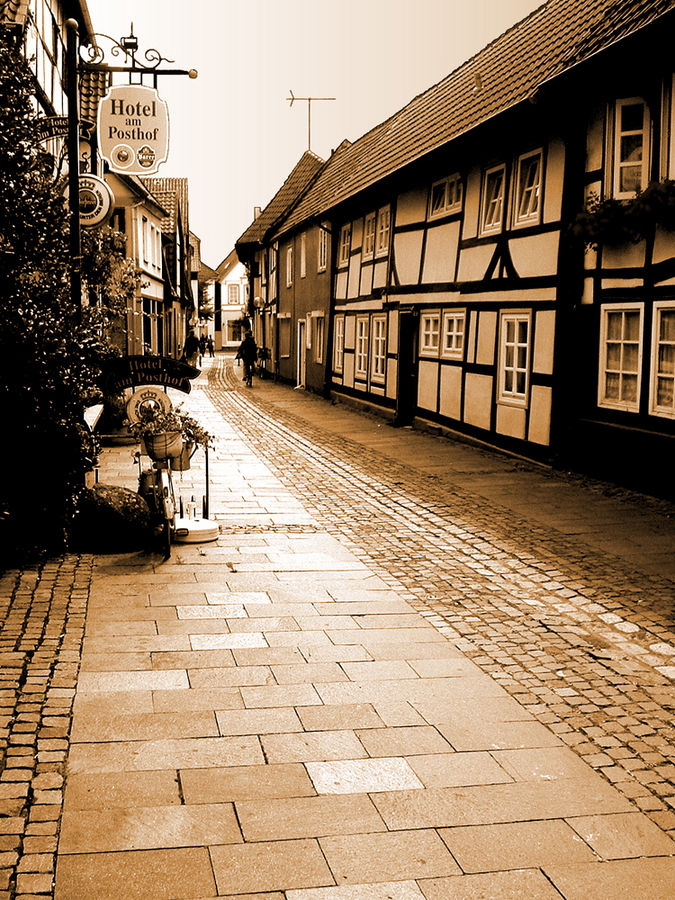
663	364
430	325
273	272
369	236
379	348
453	334
528	189
289	266
303	254
514	358
345	244
144	238
233	295
446	196
620	351
339	343
631	142
361	360
492	212
382	231
318	327
323	250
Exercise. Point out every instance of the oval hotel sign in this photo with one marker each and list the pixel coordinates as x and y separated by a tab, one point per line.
133	129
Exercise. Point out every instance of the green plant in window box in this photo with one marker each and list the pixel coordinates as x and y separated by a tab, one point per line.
615	222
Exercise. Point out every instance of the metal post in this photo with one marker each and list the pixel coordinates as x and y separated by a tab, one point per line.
74	166
206	496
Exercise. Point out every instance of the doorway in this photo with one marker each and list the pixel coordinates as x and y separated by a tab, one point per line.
301	368
406	388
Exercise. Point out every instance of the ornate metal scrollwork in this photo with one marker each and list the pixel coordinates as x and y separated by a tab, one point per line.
124	49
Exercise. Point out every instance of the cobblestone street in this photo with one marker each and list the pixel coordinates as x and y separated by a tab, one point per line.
584	640
317	706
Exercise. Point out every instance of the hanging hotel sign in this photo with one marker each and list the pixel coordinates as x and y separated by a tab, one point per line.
133	129
96	201
134	371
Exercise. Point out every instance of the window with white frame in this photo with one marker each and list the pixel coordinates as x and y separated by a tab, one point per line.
361	359
339	343
492	211
284	336
631	147
273	272
430	327
323	250
514	358
233	295
345	244
289	266
379	349
662	394
620	356
303	254
144	238
446	196
382	231
527	207
368	237
318	331
452	346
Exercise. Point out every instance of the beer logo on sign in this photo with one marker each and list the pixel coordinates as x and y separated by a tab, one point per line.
146	157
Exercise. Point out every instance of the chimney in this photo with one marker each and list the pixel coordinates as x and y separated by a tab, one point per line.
256	212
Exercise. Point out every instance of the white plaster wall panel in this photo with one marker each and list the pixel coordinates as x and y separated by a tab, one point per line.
377	389
539	431
478	400
380	274
440	253
553	184
473	262
411	207
348	370
621	283
595	138
427	385
487	329
354	277
392	375
341	286
632	255
392	332
471	344
511	421
590	258
350	332
366	280
663	245
357	234
472	204
544	342
450	404
536	254
408	255
588	291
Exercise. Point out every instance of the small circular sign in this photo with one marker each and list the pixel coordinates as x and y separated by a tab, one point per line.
147	403
96	201
122	156
146	157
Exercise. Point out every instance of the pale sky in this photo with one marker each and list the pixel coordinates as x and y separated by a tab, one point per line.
234	135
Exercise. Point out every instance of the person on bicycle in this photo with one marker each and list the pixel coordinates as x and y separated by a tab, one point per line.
248	353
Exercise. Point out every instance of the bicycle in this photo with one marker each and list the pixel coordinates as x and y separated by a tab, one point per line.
156	486
248	373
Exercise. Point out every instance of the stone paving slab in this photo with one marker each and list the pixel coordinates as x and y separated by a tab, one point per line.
358	751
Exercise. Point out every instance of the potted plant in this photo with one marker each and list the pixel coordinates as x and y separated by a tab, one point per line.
170	435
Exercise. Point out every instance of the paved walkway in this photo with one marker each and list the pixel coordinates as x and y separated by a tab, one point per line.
279	714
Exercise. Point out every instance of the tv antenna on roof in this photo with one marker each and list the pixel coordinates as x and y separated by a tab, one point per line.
291	101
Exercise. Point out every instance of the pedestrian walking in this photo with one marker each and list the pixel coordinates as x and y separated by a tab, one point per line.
191	349
248	353
211	347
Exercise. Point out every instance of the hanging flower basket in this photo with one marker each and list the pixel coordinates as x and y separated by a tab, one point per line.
182	463
168	445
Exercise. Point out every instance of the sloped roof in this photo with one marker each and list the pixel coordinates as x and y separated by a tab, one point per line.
206	273
300	177
172	194
553	38
14	12
93	85
228	263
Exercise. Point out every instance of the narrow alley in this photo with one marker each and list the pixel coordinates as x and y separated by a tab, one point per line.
408	668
